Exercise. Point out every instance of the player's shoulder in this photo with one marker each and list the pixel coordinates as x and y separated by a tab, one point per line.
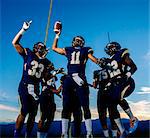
27	51
88	49
48	63
68	48
124	52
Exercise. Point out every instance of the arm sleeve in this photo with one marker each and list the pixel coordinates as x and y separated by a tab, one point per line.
25	52
90	50
125	52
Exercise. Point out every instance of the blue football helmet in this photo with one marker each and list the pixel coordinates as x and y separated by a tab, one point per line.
40	48
112	47
78	41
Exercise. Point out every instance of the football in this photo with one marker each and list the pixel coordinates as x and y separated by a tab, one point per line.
57	26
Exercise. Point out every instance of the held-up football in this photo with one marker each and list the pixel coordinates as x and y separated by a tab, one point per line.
57	27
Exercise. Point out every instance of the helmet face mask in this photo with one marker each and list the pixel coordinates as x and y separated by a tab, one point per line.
112	48
78	41
40	48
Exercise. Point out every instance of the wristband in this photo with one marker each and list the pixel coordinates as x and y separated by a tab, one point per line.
57	36
22	31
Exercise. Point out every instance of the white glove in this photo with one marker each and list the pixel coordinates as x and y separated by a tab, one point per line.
31	91
26	25
128	74
77	79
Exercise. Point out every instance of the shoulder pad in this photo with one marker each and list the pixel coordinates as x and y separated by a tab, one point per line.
27	51
124	52
68	48
90	50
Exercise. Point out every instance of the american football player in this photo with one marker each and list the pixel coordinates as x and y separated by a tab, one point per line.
74	109
120	68
47	102
101	79
77	56
33	68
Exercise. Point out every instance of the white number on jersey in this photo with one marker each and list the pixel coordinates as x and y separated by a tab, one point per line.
115	70
33	71
103	75
51	82
75	58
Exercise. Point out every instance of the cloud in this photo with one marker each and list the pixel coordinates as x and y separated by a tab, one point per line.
3	96
140	109
147	55
144	90
8	108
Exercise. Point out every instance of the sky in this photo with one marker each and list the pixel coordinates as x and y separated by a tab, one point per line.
127	22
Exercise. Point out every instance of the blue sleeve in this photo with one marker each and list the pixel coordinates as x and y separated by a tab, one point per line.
124	52
67	49
26	53
90	50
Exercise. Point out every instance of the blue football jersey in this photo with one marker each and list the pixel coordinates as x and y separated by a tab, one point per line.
116	64
33	67
77	58
48	80
101	75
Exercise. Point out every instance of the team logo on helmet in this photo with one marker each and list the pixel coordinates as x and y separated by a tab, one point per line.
112	47
78	41
40	48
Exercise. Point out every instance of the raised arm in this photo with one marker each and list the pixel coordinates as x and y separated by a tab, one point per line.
98	61
16	40
57	30
91	57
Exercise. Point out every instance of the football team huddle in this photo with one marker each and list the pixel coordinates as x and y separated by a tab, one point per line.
113	81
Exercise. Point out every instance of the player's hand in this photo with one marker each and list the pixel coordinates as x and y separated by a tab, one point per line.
58	34
26	25
60	70
128	74
101	62
57	28
126	77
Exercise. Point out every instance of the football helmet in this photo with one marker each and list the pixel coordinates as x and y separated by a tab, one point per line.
40	48
112	47
78	41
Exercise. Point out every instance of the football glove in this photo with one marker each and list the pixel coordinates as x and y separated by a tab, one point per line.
26	25
128	74
102	62
77	79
